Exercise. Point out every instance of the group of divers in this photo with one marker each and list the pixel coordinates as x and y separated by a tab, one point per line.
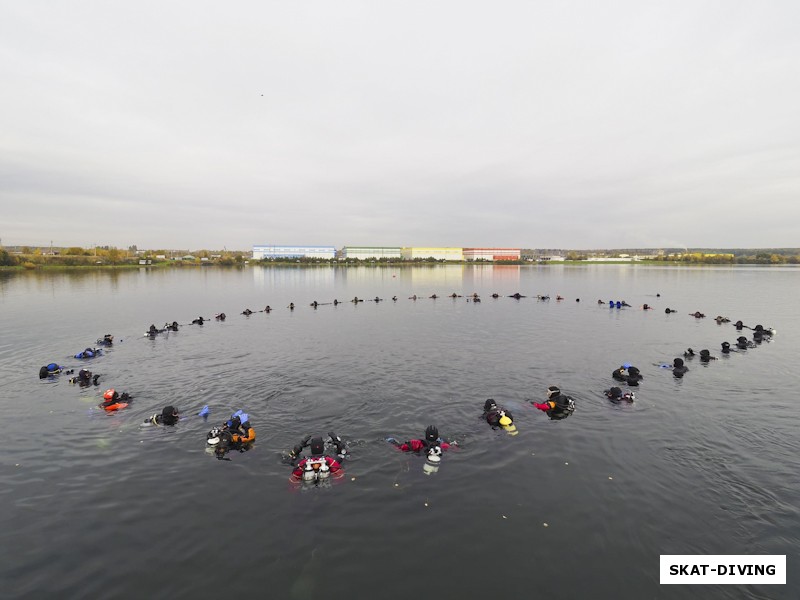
318	460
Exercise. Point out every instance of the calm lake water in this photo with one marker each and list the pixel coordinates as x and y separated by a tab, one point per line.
96	506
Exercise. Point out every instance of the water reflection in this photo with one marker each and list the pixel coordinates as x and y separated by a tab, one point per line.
612	485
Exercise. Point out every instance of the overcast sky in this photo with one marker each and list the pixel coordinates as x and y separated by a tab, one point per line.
516	123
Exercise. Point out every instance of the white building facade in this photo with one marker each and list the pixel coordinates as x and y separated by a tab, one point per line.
432	252
371	252
321	252
491	254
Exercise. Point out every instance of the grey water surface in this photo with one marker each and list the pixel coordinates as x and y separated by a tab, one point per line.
97	506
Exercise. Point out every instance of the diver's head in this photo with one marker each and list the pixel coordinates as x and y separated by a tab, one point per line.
489	405
614	393
43	373
84	374
741	339
317	446
553	390
705	354
431	434
233	422
633	372
110	394
169	414
678	362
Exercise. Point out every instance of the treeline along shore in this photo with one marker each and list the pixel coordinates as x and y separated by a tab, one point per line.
68	258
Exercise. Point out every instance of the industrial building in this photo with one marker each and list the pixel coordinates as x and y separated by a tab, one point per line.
371	252
321	252
491	254
435	253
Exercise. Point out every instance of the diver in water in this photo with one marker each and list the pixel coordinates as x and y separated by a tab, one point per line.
431	447
557	406
85	378
678	368
697	315
670	310
760	334
168	416
113	400
742	343
628	373
616	396
726	347
235	434
720	320
106	340
516	296
431	439
172	327
154	331
221	316
89	353
241	431
198	321
739	326
498	417
317	466
52	369
247	312
268	308
646	307
705	356
689	353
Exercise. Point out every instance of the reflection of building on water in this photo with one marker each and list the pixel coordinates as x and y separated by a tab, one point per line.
288	278
491	277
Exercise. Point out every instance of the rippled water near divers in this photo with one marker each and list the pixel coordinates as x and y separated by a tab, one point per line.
96	506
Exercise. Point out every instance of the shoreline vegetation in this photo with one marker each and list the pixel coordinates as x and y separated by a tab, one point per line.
112	258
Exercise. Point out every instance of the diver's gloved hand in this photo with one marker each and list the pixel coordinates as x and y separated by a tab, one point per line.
334	437
296	451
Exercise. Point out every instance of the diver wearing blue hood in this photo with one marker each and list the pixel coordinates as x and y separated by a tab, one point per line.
89	353
53	369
